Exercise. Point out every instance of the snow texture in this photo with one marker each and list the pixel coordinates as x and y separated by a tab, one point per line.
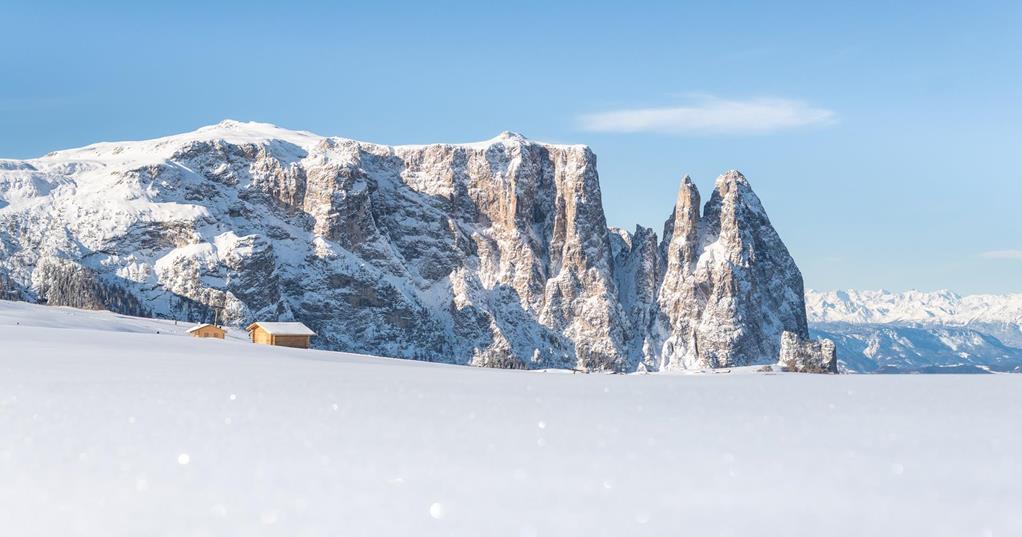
119	426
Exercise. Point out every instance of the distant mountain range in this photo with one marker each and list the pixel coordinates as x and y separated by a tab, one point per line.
915	331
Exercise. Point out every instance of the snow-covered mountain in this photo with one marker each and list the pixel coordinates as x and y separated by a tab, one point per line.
494	253
915	330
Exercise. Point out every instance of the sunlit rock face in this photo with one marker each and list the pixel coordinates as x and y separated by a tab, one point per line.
494	253
727	286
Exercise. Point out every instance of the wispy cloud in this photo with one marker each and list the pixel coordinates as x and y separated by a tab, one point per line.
1003	254
712	115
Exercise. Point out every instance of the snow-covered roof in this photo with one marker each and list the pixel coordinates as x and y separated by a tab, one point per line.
283	329
198	327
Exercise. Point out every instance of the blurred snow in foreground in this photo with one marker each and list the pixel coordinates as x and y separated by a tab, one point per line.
108	428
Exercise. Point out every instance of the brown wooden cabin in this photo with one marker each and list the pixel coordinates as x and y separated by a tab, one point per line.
207	330
295	335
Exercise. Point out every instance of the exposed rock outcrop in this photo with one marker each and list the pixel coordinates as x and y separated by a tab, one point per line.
804	356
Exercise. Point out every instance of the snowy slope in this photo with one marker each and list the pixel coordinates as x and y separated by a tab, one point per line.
31	315
107	428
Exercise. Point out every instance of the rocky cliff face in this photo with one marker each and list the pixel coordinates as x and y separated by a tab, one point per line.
494	254
719	289
729	287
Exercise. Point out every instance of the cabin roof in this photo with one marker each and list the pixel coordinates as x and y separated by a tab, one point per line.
283	329
198	327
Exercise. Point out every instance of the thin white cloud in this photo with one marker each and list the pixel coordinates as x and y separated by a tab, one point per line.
1003	254
712	115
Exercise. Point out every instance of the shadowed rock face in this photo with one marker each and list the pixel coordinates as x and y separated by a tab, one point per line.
493	254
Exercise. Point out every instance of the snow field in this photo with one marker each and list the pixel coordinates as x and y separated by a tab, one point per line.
107	428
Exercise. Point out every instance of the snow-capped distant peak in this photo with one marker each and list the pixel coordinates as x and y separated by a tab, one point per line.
912	306
919	330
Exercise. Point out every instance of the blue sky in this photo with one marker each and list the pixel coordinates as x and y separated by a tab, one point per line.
884	140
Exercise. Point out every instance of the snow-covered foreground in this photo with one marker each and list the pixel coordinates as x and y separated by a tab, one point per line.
107	428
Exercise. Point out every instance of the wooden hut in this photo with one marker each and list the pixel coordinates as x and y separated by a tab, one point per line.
207	330
281	334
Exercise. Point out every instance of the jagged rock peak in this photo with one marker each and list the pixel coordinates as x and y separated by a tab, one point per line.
688	196
733	181
681	232
729	285
732	176
733	188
